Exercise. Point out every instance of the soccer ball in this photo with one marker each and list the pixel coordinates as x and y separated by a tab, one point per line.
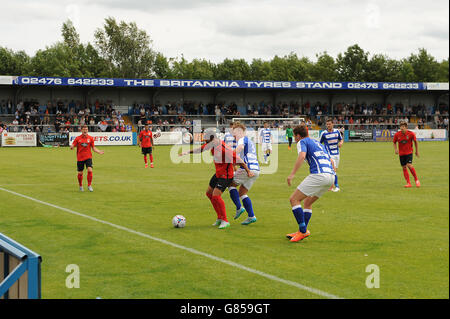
179	221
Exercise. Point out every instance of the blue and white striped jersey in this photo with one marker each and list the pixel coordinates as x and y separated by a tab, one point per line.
266	135
248	154
229	140
317	157
331	140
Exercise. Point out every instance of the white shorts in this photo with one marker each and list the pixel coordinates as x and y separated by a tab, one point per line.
266	147
241	178
316	184
335	158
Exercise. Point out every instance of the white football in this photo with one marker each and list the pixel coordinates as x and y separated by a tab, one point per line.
179	221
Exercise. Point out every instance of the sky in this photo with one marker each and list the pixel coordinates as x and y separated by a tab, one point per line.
251	29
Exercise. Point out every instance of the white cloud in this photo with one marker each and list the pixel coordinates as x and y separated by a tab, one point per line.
241	29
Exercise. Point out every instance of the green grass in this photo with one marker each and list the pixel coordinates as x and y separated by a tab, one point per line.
373	220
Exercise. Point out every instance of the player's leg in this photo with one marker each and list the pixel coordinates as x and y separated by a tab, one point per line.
246	201
403	163
220	204
144	152
209	192
151	156
413	170
80	168
296	199
89	174
234	195
307	208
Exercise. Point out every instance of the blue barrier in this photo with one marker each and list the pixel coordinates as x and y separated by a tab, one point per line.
28	261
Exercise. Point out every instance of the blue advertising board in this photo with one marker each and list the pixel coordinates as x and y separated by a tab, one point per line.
293	85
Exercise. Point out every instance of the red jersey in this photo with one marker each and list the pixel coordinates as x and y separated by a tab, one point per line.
405	141
224	158
84	145
146	138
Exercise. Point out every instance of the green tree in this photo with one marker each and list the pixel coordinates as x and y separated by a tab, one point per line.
325	69
236	69
14	63
425	66
126	48
260	70
162	67
352	65
443	71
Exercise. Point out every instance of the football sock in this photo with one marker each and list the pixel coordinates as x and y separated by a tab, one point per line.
89	178
234	194
300	217
247	205
405	173
265	157
151	158
214	205
145	159
80	179
413	172
308	213
220	207
336	181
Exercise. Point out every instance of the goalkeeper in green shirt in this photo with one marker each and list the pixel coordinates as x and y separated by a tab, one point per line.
289	135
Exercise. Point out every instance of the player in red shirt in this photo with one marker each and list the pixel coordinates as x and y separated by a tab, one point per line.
405	139
224	160
84	143
145	141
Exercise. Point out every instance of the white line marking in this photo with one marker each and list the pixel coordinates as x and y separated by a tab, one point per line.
191	250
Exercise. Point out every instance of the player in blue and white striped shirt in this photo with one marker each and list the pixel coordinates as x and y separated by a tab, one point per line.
321	177
246	150
332	140
265	138
228	138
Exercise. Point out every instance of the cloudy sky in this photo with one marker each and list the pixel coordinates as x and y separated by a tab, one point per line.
215	30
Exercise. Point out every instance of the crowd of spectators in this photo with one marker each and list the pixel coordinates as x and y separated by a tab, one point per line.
63	116
57	116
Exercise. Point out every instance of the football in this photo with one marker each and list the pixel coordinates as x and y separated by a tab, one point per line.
179	221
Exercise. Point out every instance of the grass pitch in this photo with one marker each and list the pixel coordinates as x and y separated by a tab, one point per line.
373	220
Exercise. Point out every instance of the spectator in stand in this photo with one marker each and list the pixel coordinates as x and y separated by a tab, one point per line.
103	125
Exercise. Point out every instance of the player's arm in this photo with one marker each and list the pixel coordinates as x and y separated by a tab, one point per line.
395	145
96	150
241	163
195	150
74	143
151	139
341	140
298	164
332	164
416	145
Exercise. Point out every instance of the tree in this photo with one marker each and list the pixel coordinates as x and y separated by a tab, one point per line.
352	65
162	67
236	69
324	69
300	69
443	71
425	66
260	70
126	49
14	63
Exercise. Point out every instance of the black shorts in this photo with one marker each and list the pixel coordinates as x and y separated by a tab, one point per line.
146	150
81	164
220	183
406	159
290	140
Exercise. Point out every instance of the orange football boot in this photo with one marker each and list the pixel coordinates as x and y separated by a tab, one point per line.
299	236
